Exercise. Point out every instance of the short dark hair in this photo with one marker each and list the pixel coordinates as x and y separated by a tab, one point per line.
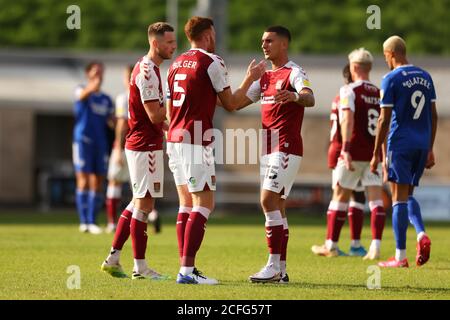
159	28
347	74
91	64
195	26
281	31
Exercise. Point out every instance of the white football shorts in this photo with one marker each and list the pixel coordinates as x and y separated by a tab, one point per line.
193	165
116	171
362	176
278	171
146	172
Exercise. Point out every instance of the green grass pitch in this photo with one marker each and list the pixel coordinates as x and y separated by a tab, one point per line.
37	249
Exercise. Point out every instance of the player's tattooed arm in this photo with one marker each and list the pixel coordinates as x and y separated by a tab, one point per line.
304	98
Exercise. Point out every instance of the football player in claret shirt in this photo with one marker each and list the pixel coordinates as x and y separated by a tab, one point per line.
93	111
284	91
409	120
358	199
143	149
197	80
118	168
359	110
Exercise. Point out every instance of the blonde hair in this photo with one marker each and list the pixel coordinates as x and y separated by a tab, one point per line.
395	44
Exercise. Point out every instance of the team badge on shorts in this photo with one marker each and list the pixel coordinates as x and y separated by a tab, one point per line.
192	181
157	187
213	180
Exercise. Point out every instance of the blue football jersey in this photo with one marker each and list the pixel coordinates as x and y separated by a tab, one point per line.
409	90
91	117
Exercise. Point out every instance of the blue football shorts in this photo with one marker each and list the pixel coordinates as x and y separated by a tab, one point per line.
406	166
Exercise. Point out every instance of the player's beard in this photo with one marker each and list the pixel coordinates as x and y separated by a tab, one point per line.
165	55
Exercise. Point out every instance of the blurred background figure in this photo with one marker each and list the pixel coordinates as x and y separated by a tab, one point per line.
93	110
118	168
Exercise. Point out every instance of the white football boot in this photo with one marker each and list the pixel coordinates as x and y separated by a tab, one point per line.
267	274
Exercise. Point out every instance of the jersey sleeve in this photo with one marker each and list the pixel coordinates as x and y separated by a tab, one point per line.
122	106
148	85
347	98
387	93
78	91
254	92
299	80
218	74
433	91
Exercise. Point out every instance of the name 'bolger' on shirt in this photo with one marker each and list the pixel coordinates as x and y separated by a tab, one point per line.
145	86
193	81
363	98
285	118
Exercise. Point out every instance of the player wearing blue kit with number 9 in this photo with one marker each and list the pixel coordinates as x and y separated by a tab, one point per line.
93	109
408	106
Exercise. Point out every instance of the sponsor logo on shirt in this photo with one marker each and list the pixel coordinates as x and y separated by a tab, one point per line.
100	108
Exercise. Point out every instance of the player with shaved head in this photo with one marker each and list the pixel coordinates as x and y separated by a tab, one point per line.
409	121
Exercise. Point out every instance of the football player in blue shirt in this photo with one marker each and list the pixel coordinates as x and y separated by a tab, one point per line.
408	107
93	110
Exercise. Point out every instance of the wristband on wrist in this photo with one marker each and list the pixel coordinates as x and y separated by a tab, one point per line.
346	146
297	96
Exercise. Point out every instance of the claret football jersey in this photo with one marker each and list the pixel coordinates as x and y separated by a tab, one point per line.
284	121
145	86
193	81
363	99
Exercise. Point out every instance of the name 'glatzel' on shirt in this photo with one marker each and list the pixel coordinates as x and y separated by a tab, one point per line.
417	80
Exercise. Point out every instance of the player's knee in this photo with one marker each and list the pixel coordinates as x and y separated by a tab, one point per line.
359	196
82	182
269	203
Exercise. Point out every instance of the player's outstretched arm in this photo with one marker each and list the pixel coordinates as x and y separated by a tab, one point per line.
238	99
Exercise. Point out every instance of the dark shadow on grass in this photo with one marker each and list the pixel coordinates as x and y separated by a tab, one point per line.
236	218
349	287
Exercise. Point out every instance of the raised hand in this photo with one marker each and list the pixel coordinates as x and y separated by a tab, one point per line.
256	70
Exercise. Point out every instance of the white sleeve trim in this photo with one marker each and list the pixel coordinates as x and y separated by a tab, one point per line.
218	74
148	87
78	91
254	92
347	98
299	80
